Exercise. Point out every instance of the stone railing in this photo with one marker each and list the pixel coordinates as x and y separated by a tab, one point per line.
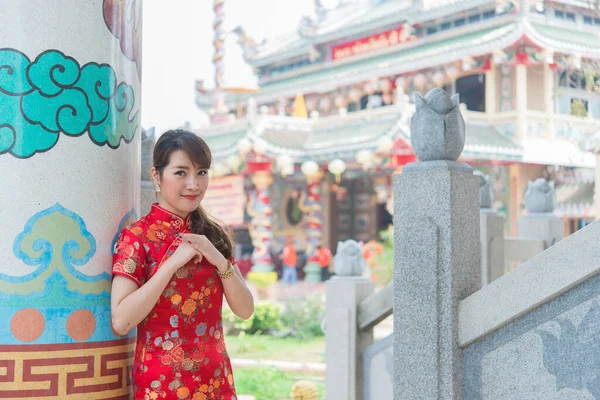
544	277
538	228
357	366
532	333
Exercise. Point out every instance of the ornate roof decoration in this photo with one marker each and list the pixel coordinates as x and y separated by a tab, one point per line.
430	51
563	40
356	19
322	139
359	19
408	57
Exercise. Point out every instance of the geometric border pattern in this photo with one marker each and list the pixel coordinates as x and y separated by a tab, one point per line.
67	371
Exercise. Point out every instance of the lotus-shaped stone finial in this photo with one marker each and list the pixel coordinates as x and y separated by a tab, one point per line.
437	127
349	259
486	196
540	196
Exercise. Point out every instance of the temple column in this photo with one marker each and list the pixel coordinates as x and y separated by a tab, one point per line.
521	101
490	91
70	162
260	227
312	206
549	100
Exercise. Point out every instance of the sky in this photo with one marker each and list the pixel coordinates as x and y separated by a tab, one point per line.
177	50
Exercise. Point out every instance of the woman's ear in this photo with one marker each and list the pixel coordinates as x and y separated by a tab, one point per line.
155	175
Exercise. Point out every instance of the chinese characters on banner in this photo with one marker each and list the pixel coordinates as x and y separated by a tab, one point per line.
370	43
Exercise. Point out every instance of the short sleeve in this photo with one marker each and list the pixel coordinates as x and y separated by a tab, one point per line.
129	257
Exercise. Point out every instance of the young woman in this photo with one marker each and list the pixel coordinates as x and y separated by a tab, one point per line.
170	271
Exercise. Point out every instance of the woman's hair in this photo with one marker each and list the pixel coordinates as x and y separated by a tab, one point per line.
199	153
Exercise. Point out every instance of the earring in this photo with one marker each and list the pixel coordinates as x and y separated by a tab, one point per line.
156	187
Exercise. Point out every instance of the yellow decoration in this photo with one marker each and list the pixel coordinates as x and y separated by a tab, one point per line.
300	107
304	390
262	279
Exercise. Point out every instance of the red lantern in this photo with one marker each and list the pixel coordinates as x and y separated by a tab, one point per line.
258	166
401	154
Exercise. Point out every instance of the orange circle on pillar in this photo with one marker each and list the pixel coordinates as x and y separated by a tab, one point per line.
81	325
27	324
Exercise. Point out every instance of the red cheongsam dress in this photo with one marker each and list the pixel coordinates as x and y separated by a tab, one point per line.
180	351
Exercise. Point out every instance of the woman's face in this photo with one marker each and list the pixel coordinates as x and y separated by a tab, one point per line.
182	184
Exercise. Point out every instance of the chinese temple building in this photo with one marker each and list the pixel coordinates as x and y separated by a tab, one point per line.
312	152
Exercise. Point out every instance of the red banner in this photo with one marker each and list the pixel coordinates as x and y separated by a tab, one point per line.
370	43
225	199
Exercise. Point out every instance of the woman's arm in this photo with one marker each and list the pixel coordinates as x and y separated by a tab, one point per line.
238	295
130	304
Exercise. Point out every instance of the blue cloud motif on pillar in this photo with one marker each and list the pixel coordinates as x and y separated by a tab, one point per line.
53	95
55	241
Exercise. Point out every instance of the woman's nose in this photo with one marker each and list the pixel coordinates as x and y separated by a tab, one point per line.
193	183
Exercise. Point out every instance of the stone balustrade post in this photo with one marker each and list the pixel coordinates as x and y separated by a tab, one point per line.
492	245
344	343
539	222
437	252
492	233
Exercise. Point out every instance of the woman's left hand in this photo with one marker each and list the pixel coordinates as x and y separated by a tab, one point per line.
207	249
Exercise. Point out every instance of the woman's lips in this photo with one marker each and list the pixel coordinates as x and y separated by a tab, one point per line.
192	197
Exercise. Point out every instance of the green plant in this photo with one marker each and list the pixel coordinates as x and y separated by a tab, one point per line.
269	383
262	279
270	347
578	108
266	318
302	319
384	270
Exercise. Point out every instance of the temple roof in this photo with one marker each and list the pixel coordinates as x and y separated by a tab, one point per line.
560	39
323	139
355	19
429	51
362	19
411	56
575	199
486	142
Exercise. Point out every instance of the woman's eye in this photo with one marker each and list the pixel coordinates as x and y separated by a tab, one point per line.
180	173
203	172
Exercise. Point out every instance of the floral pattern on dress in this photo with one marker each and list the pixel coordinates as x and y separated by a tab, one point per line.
180	351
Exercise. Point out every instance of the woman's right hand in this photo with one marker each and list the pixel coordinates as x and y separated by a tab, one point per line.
182	255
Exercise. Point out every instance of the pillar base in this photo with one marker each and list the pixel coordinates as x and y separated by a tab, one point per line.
312	272
263	267
545	226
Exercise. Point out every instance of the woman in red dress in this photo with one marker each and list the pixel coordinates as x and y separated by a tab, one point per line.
171	269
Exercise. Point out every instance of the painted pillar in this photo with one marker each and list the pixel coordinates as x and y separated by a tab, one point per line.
521	101
515	198
219	53
261	231
69	156
312	206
